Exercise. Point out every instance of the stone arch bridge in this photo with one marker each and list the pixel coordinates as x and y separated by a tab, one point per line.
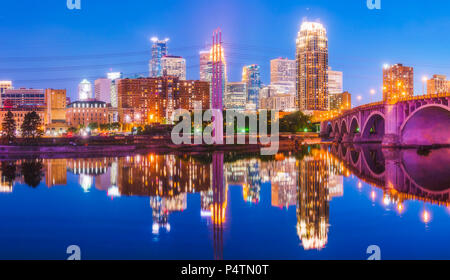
414	121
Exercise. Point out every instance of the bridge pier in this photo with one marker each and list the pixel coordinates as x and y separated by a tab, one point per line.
347	138
391	137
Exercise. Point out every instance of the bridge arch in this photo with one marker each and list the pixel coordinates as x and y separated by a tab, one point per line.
344	129
427	125
336	128
373	128
354	126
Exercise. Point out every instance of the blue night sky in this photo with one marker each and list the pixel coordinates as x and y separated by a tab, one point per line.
46	45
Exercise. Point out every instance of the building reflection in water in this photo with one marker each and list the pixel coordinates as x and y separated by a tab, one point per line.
308	180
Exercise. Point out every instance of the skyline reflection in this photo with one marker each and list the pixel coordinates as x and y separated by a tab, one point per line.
307	180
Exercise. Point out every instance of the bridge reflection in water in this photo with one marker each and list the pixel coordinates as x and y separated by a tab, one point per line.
307	179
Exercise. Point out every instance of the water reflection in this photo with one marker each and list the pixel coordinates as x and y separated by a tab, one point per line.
307	179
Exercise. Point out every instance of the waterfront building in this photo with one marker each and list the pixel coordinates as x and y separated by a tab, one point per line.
4	85
335	85
398	82
438	84
153	100
282	70
56	111
84	90
312	67
251	76
341	101
83	113
278	96
235	96
174	66
159	50
20	112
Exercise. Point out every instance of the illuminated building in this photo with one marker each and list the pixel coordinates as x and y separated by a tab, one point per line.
341	101
23	97
4	85
438	85
20	112
335	86
114	77
56	111
398	82
282	70
251	77
235	96
278	96
205	66
174	66
152	100
83	113
312	67
84	90
159	49
102	89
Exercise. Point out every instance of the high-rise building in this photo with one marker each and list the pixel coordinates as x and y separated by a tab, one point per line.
278	96
103	90
205	66
114	77
85	90
252	77
174	66
438	84
235	96
341	101
312	67
4	85
335	85
282	70
398	82
159	49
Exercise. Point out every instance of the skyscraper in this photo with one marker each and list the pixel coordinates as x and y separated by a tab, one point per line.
438	84
85	90
205	66
398	82
159	49
282	70
251	76
174	66
236	96
335	86
312	67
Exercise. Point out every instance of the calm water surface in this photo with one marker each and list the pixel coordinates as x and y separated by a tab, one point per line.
323	202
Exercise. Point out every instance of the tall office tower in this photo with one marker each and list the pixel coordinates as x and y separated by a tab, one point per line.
84	90
236	96
398	82
4	85
251	76
282	70
438	84
205	66
312	67
103	90
159	49
174	66
114	76
56	105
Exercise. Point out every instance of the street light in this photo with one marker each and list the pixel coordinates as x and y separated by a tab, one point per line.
424	80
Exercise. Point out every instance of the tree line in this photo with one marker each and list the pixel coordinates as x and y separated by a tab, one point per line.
31	127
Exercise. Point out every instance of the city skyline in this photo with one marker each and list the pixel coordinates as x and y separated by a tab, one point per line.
368	49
